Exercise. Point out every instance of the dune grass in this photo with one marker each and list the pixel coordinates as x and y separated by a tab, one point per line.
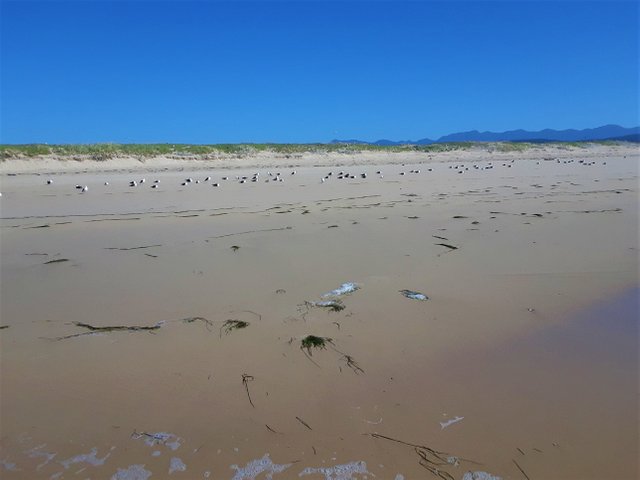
106	151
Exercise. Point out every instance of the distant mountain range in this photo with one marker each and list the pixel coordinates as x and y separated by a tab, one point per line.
606	132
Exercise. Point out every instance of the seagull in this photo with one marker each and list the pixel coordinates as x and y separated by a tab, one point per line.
207	179
84	189
106	183
133	183
49	182
216	184
142	181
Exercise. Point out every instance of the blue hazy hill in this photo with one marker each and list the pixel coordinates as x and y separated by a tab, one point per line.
606	132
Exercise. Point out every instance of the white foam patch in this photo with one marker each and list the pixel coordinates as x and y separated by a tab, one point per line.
133	472
91	458
339	472
480	476
169	440
255	467
444	425
9	466
156	453
399	477
36	452
343	289
176	465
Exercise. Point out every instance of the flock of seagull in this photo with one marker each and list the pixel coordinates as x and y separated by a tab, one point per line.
277	177
341	175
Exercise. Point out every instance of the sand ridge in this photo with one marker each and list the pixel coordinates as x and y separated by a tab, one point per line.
79	163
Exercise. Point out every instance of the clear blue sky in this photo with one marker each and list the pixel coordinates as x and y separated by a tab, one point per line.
212	72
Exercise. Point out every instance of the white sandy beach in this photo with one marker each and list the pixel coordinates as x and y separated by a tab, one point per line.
516	351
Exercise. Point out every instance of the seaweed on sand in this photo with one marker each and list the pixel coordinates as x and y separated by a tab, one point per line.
245	381
304	423
230	325
118	328
450	247
208	323
352	364
126	249
521	470
432	460
57	260
312	342
332	305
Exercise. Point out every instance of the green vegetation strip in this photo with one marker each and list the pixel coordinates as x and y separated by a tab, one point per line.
106	151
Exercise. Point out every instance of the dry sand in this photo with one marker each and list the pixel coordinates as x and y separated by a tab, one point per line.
529	332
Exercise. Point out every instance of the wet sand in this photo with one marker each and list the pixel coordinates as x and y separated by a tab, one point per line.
529	332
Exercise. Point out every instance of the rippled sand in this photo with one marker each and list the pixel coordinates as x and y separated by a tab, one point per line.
523	358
